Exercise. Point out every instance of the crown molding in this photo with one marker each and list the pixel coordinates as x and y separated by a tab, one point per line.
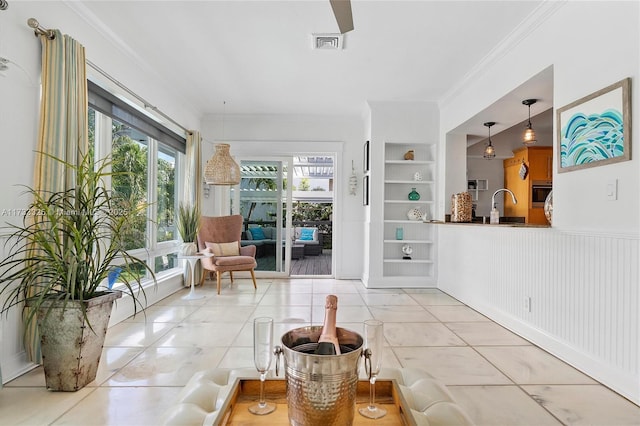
536	18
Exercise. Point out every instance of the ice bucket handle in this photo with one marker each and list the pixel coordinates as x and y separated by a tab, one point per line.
277	351
367	362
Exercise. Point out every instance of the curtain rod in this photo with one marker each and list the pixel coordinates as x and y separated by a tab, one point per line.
146	104
39	30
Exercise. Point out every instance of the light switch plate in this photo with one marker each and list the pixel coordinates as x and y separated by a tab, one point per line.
612	189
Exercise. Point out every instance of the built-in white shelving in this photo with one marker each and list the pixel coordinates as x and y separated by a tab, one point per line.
400	178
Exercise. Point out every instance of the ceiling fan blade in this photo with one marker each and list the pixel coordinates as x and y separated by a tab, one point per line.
342	12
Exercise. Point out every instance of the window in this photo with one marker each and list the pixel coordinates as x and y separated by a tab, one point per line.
130	154
151	154
167	201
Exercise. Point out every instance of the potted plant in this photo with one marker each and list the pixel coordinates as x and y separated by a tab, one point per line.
188	226
63	259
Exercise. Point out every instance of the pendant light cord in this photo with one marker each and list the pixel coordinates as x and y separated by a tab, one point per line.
224	112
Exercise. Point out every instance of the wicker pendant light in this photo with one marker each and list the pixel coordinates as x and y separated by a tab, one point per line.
221	169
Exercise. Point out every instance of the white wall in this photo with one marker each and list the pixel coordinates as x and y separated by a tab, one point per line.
479	168
589	233
452	173
272	135
19	113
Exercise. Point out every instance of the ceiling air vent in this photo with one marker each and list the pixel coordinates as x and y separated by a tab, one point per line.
327	41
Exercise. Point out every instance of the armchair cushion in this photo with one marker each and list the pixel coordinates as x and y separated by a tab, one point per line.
224	249
230	263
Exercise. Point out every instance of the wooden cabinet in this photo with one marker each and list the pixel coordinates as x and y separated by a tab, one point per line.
519	187
539	163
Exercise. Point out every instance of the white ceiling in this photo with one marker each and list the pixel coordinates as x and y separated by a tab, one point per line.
256	55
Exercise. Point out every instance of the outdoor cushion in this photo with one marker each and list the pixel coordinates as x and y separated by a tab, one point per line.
257	233
307	234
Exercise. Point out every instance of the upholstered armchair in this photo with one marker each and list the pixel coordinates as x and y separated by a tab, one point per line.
221	236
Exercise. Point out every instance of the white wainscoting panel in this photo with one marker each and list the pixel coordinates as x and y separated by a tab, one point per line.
574	294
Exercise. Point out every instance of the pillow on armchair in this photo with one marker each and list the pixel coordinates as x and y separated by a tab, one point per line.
224	249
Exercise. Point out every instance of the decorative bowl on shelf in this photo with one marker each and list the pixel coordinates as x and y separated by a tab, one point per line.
415	214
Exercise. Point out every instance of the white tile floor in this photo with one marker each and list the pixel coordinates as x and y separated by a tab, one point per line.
497	377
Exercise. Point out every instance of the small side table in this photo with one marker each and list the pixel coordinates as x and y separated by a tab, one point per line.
193	261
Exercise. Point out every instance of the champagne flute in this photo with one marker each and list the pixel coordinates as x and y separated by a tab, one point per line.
374	344
262	357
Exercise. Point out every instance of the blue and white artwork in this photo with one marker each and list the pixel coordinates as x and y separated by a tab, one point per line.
594	130
593	137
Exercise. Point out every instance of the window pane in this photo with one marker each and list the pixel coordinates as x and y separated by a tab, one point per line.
166	201
137	273
168	261
130	166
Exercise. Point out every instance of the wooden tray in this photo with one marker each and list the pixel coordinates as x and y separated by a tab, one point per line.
245	392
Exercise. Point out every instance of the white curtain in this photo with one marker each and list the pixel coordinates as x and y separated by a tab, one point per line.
192	188
193	173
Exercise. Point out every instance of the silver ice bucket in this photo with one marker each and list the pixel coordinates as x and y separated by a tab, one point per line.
321	389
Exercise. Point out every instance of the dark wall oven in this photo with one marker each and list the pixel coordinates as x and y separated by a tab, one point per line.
539	191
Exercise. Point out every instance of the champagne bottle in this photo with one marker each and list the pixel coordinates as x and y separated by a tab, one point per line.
328	342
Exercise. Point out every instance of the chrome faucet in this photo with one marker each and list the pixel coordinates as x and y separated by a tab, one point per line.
493	197
495	215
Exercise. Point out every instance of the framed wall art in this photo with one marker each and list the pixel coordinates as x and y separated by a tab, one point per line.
365	158
595	130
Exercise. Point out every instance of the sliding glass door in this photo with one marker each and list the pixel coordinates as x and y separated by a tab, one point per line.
287	206
264	201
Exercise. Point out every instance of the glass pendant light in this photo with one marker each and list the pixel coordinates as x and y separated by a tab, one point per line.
529	137
489	150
